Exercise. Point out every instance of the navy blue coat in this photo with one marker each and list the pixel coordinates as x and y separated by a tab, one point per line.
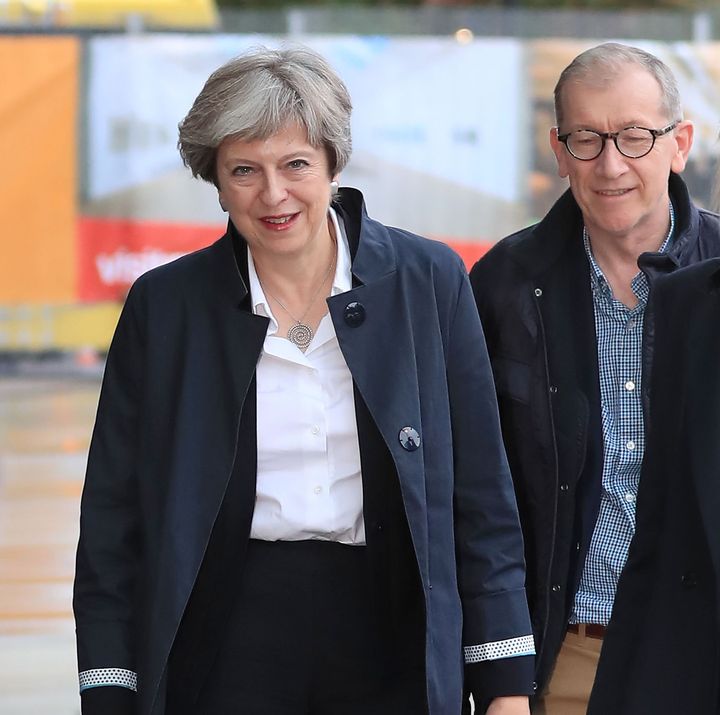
661	654
173	451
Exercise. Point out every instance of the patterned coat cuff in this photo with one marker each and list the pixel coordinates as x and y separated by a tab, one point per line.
100	677
495	650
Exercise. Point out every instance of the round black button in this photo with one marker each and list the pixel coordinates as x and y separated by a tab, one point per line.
354	314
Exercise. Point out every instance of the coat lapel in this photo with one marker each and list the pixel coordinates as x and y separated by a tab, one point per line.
218	357
380	353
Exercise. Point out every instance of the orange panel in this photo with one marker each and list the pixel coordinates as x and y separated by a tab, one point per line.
38	115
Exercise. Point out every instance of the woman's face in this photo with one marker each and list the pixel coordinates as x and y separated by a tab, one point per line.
277	192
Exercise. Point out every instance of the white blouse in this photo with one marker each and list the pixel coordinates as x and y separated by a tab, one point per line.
309	484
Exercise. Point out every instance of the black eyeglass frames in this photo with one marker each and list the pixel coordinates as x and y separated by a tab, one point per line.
632	142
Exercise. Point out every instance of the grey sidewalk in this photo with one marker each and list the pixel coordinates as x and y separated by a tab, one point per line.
45	427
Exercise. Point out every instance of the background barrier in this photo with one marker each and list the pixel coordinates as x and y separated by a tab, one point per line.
450	141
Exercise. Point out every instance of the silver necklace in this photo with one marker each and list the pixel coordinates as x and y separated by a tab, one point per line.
301	334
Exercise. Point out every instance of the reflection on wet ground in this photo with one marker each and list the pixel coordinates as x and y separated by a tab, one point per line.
45	426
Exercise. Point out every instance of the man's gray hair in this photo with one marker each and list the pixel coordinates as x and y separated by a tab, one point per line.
602	64
258	93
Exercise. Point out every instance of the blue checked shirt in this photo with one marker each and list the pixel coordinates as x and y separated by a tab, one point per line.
619	331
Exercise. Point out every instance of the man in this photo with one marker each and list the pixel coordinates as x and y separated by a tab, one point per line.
563	305
661	654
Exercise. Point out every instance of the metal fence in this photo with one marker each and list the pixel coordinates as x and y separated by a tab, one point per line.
661	25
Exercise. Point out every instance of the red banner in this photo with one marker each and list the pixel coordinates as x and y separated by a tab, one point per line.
112	253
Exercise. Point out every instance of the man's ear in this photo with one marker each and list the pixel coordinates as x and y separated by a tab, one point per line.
683	133
561	153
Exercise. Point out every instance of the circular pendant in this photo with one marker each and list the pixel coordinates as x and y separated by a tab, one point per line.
300	335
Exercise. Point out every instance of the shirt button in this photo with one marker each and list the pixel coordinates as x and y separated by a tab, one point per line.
630	324
315	429
629	385
630	445
629	497
317	490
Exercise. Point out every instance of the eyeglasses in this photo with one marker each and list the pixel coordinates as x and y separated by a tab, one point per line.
632	142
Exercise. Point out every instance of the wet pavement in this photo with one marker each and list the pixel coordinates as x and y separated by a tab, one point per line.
45	424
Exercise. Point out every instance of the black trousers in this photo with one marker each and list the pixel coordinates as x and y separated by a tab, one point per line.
307	636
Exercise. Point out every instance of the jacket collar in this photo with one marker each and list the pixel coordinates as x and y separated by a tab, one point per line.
561	228
229	268
371	250
709	283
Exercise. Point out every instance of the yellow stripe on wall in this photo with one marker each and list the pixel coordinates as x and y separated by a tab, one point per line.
57	327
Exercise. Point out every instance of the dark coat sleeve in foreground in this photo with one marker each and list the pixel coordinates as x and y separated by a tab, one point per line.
497	635
109	549
661	652
639	576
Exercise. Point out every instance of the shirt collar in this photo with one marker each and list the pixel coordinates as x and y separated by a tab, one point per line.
597	278
342	281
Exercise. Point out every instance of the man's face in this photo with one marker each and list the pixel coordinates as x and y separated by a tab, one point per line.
621	197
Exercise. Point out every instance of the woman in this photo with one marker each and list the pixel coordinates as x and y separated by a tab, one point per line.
297	501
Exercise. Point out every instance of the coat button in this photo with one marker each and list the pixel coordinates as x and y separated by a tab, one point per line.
354	314
689	579
409	438
538	292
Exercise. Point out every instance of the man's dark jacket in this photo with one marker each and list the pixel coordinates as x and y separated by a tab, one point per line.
533	294
661	655
170	488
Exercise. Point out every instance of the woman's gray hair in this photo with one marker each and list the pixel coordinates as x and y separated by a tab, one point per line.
258	93
602	64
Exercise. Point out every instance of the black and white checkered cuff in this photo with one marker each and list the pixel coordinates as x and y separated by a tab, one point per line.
525	645
108	676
